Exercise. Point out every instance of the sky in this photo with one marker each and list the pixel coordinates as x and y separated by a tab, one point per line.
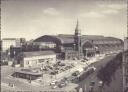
31	19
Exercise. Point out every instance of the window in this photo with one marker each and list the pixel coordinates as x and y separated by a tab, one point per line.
27	62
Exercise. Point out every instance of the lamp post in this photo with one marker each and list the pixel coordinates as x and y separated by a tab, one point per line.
74	46
92	84
100	86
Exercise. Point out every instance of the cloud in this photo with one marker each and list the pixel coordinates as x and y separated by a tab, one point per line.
51	11
104	10
113	6
92	14
110	11
117	6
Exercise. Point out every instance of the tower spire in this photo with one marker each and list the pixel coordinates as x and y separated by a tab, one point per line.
77	40
77	25
77	30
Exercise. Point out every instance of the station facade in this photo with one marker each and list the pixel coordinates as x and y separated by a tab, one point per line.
77	45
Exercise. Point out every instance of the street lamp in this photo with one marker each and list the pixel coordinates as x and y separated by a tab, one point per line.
74	46
100	86
92	84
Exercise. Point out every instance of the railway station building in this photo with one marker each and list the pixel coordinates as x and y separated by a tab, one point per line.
78	45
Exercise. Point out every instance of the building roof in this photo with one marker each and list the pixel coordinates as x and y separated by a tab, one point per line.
28	71
37	53
9	38
65	39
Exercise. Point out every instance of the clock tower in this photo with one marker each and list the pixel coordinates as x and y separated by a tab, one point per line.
77	40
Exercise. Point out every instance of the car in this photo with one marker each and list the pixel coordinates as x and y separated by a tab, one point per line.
76	73
92	67
72	65
74	58
39	79
54	86
62	69
72	78
92	83
11	84
56	68
83	61
86	59
62	64
67	67
55	65
64	79
62	84
54	72
54	82
50	67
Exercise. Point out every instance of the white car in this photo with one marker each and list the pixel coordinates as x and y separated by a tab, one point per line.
54	86
92	67
53	82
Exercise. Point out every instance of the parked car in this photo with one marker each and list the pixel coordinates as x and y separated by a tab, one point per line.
62	64
86	59
72	65
39	79
54	84
92	68
11	84
62	84
83	61
50	67
67	67
56	68
76	73
72	78
92	83
54	72
62	69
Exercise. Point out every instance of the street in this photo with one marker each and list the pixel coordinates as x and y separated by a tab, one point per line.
86	83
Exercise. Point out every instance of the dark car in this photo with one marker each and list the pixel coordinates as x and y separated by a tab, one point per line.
76	73
54	72
92	83
50	67
62	84
86	59
72	79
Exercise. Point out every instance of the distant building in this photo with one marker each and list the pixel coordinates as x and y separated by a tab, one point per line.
77	45
15	42
37	58
27	74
